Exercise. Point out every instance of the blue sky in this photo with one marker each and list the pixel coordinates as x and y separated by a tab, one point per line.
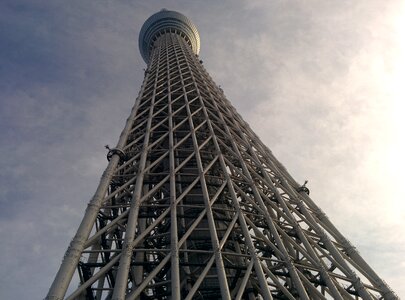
320	82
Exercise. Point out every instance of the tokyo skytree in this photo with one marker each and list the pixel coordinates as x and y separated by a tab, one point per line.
192	205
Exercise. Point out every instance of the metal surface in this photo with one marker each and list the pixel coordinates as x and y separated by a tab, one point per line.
192	205
163	21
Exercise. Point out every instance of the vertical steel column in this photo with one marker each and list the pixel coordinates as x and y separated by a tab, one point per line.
65	273
280	243
258	268
121	280
214	238
174	240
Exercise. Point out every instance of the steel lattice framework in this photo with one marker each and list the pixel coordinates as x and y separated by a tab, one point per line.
192	205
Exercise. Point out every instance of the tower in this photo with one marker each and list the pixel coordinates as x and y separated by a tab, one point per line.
192	205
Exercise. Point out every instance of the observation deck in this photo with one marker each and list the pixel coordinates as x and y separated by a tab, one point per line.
167	21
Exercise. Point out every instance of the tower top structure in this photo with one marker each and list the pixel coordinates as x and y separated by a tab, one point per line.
164	21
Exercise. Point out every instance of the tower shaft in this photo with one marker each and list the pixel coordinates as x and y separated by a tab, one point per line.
192	205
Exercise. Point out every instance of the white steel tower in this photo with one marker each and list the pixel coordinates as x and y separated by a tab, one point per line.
192	205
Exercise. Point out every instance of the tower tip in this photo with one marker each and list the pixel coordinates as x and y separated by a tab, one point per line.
160	22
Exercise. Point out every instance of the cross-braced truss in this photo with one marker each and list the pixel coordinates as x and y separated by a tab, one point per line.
193	206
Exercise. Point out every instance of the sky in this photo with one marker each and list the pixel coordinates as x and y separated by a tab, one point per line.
321	82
